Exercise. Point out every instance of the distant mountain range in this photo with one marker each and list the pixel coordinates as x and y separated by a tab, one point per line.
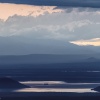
47	58
92	59
17	45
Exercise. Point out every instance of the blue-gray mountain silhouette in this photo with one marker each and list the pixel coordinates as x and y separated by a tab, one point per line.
8	83
93	59
46	58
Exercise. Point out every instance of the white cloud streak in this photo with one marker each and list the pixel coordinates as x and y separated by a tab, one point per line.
93	42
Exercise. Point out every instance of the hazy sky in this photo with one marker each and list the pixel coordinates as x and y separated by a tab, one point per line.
68	3
78	25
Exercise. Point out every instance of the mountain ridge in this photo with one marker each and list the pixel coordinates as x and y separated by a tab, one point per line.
47	58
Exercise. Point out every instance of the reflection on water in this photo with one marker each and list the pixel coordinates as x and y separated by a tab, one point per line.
55	86
43	82
54	90
58	86
56	83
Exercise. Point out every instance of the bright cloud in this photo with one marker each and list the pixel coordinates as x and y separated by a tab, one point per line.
8	10
69	25
93	42
77	24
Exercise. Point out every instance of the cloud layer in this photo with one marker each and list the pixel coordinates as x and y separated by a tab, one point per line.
28	29
43	22
50	22
8	10
92	42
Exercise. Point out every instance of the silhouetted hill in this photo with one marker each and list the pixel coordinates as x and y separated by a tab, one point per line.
8	83
40	58
45	58
96	89
92	59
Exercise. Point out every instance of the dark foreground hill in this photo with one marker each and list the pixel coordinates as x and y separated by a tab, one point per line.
96	89
8	83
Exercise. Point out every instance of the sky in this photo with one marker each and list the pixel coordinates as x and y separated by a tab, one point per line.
67	24
67	3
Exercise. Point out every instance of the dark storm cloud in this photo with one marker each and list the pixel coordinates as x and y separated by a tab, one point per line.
68	3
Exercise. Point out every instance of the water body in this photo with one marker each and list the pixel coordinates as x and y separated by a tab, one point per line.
54	90
58	86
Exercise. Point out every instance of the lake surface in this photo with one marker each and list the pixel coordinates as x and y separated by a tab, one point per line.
58	86
54	90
